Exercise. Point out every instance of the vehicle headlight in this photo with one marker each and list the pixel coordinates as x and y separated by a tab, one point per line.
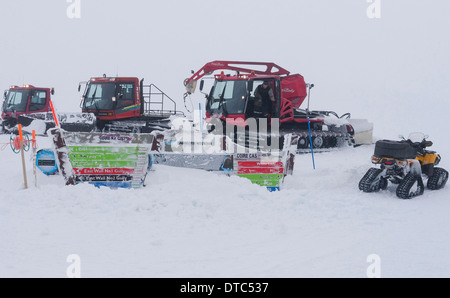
438	159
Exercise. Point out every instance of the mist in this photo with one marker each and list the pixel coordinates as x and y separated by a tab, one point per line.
392	70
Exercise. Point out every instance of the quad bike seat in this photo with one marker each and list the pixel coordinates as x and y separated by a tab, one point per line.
395	149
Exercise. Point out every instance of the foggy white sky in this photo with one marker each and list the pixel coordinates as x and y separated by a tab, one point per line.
368	67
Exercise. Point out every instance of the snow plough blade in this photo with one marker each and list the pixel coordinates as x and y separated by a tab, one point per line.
266	168
209	162
136	126
87	122
42	122
335	132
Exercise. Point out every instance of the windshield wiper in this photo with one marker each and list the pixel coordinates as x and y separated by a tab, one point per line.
221	102
97	109
10	102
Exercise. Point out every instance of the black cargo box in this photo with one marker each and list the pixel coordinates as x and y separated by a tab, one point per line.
395	149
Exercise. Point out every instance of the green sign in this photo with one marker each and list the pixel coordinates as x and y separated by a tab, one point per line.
261	169
114	160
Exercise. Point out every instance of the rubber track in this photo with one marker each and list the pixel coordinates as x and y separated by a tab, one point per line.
434	179
340	140
404	188
366	184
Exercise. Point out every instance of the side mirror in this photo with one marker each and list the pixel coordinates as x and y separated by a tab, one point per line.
250	86
79	87
52	92
202	83
5	94
190	87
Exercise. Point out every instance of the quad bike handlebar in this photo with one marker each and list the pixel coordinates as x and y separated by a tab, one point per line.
427	143
421	145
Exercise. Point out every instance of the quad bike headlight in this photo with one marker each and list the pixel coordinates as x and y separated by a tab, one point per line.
438	159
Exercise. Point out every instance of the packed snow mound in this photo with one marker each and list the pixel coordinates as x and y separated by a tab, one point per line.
37	125
194	223
329	120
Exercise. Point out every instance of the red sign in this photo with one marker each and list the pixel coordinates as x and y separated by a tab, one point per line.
266	164
103	171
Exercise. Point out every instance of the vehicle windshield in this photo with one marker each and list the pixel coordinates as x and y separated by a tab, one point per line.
228	97
16	100
416	137
99	96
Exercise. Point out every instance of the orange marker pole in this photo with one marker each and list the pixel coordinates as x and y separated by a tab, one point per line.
34	138
54	114
20	133
23	157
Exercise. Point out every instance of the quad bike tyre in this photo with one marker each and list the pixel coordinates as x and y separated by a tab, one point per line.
406	190
438	179
372	181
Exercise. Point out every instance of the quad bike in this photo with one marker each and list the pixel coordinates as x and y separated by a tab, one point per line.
405	163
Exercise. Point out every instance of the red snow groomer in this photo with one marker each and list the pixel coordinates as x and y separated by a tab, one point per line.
24	105
241	95
119	104
24	100
125	104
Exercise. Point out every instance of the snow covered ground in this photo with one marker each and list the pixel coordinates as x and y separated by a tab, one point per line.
192	223
392	70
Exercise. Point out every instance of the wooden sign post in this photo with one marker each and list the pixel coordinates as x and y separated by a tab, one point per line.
33	143
24	169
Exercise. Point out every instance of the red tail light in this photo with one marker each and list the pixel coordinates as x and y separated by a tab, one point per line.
350	129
